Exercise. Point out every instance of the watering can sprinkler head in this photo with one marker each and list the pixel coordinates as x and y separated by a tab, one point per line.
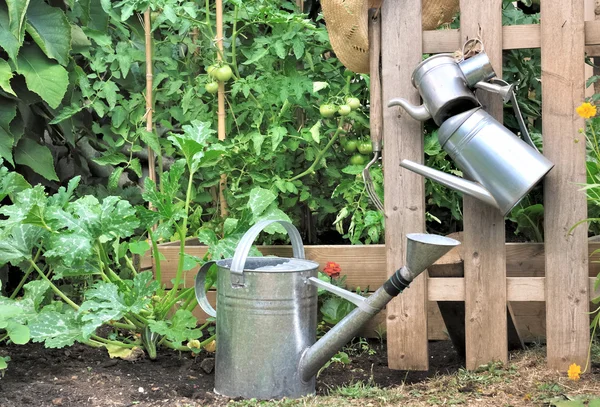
423	250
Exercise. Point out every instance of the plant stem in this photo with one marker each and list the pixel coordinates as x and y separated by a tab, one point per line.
109	342
131	266
54	288
24	279
322	152
156	256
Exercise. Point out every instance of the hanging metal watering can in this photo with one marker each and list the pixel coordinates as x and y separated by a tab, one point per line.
502	167
446	86
267	315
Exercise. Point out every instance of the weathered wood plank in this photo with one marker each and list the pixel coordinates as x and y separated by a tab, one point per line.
483	225
513	37
404	190
364	266
562	30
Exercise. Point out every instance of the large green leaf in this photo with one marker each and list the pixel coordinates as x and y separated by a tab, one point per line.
56	329
7	40
260	199
6	145
16	16
50	29
44	77
5	76
37	157
18	247
180	328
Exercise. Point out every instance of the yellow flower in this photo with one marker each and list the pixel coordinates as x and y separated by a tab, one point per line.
194	344
586	110
574	371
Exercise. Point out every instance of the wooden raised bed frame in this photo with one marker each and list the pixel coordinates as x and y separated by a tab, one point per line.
364	266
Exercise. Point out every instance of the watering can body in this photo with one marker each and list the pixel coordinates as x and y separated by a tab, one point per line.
503	167
263	324
267	315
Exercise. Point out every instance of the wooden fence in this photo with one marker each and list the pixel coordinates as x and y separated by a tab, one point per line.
544	289
563	37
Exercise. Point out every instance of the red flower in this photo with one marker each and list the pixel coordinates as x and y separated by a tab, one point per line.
332	269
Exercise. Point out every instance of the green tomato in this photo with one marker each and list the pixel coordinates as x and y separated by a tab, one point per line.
348	73
344	110
365	147
358	159
212	70
350	146
212	87
223	73
353	102
327	110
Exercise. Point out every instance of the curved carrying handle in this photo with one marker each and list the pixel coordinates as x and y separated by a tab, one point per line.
200	289
243	247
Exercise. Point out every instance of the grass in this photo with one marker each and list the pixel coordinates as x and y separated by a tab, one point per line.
525	381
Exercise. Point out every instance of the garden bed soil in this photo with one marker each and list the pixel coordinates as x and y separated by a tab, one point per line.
81	376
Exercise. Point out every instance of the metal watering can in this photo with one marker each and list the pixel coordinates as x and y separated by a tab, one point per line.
267	315
447	86
502	167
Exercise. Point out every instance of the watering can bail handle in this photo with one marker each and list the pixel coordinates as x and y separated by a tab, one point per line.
243	247
200	289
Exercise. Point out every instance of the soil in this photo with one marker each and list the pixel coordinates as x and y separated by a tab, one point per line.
82	376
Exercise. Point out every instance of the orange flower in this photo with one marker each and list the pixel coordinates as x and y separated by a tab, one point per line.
586	110
574	371
332	269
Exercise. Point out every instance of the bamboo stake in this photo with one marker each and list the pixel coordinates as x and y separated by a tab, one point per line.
221	104
149	77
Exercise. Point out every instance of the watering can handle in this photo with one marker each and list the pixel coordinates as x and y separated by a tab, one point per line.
201	289
243	247
512	97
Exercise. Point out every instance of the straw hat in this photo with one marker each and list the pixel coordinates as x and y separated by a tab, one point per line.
348	27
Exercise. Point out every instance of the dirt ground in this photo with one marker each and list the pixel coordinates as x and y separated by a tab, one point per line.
80	376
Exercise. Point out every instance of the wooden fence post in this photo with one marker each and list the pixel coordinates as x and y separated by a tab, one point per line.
562	36
484	236
404	190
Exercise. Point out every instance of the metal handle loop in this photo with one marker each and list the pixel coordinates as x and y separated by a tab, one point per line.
243	247
512	97
200	289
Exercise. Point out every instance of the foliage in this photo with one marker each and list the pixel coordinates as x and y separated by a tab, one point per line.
63	238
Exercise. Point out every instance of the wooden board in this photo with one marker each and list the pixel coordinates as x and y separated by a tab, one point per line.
513	37
364	266
404	190
483	226
562	31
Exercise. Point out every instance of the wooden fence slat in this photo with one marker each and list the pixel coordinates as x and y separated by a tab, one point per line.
484	248
513	37
404	190
562	30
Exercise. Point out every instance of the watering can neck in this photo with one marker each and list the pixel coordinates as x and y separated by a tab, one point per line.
451	125
420	112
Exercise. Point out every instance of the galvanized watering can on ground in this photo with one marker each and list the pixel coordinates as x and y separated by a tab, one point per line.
267	315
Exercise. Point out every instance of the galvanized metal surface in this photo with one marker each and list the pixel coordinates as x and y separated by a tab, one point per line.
266	327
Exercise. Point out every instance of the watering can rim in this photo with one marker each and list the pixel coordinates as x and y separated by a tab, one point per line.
303	265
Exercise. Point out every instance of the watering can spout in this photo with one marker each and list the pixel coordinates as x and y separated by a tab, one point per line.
471	188
422	251
416	112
